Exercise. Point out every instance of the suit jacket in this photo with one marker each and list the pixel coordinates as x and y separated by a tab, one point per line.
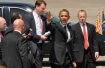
30	23
9	29
2	32
15	51
37	55
78	46
59	44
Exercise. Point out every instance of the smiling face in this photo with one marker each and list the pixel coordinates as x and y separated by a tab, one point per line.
64	17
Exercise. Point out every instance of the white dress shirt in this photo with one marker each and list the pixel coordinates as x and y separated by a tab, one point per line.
37	24
81	24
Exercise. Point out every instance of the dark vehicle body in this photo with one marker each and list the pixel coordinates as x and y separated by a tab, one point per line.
101	41
7	8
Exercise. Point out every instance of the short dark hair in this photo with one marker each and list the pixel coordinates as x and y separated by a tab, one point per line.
39	2
2	63
64	10
15	16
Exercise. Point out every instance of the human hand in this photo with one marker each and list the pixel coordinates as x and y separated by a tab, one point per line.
24	35
96	55
49	16
74	64
43	37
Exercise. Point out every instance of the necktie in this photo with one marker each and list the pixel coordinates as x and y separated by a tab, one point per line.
0	36
85	38
66	31
41	25
65	27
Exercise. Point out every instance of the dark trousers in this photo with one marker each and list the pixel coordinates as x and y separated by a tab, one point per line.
66	64
36	56
39	45
87	61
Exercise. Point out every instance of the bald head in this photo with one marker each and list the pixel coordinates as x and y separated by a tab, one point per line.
2	23
18	24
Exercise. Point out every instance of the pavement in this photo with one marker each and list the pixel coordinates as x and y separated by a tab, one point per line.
91	7
96	67
100	59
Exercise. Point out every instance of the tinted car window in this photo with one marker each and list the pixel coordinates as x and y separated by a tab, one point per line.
0	12
20	10
101	37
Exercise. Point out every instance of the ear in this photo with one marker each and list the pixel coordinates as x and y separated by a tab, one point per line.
37	6
58	16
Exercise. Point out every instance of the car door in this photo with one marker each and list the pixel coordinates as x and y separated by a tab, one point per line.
4	13
20	10
1	11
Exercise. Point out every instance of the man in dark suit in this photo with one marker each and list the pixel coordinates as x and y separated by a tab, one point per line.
61	55
14	16
85	43
35	22
14	47
2	27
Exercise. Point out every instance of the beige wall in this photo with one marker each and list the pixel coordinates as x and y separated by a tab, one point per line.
91	6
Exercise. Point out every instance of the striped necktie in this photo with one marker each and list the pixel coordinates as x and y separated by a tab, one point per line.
85	37
41	24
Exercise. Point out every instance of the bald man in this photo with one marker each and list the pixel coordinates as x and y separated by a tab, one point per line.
2	27
14	47
2	24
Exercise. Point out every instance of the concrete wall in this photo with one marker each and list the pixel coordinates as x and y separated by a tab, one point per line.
91	6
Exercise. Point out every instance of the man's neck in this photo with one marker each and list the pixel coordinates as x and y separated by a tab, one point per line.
36	12
18	31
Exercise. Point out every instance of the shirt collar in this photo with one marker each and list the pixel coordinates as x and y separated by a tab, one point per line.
35	14
62	24
82	23
18	31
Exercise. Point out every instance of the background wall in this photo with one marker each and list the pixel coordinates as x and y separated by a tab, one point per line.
91	6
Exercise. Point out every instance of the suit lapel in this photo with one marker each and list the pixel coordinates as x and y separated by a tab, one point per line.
79	29
88	29
32	23
62	30
69	28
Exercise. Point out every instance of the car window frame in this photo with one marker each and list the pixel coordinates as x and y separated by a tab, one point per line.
1	7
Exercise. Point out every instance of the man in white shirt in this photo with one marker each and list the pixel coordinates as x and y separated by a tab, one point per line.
37	23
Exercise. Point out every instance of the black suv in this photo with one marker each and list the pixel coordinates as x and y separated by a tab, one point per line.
7	8
101	41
